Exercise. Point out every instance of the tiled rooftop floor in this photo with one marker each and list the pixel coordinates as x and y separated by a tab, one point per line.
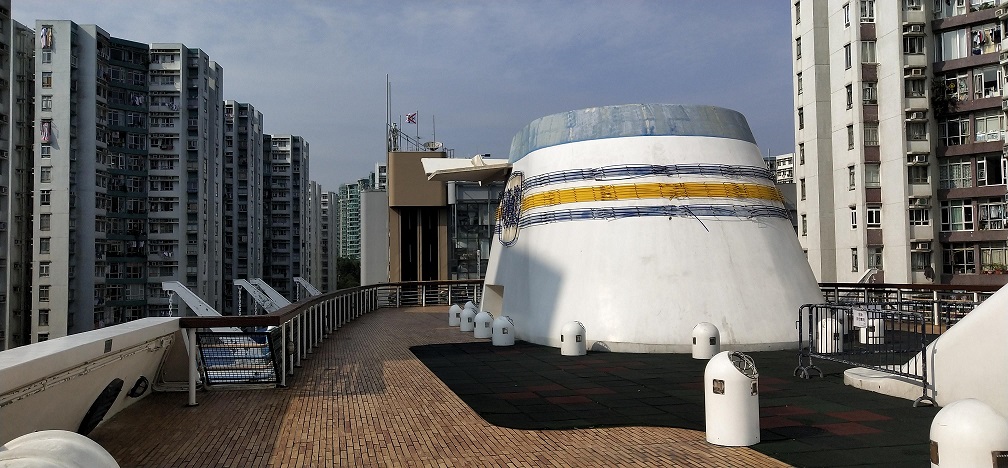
363	399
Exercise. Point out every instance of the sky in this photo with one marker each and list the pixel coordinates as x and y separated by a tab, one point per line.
475	72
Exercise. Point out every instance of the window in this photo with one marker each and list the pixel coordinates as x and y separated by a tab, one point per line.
46	102
43	293
871	175
801	118
43	269
801	188
953	132
868	52
919	261
45	197
913	45
44	243
990	170
798	80
45	222
915	88
47	79
992	213
954	173
797	45
869	92
847	56
43	317
45	174
871	136
43	336
988	125
913	5
916	131
992	255
959	259
850	95
801	154
918	175
867	11
873	216
920	216
985	38
797	12
846	14
951	45
804	225
47	56
957	215
986	82
875	257
850	137
853	217
851	180
45	151
853	259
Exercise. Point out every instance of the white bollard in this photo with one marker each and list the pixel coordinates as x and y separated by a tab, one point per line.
482	327
706	341
967	433
467	320
502	333
731	400
454	315
572	340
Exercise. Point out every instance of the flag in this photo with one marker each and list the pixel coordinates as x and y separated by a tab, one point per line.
411	118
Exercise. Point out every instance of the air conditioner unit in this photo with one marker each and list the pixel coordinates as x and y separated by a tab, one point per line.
916	115
913	28
920	246
920	202
1000	11
920	159
916	71
960	3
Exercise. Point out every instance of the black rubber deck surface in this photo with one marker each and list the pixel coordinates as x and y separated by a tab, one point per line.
815	422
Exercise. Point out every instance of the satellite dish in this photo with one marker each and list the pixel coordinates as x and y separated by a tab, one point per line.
433	145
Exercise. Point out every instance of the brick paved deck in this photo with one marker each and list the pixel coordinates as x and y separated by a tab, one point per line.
363	399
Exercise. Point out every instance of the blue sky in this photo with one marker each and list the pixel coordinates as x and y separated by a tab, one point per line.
481	70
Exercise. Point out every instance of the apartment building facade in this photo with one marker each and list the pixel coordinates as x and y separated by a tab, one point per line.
900	166
244	165
17	78
286	213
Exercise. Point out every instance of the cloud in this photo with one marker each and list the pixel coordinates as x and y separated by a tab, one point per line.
483	69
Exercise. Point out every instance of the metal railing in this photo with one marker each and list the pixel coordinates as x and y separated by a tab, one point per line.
873	336
943	305
273	345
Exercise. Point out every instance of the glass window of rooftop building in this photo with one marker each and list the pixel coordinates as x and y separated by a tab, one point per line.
847	56
854	259
846	14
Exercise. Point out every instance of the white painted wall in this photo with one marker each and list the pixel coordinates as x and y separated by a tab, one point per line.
642	284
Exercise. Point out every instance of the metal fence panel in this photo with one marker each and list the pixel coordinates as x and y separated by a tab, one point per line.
875	336
240	357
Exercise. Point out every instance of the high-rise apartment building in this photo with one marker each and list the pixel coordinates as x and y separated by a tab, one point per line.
899	139
244	165
349	218
127	177
17	77
328	247
286	211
